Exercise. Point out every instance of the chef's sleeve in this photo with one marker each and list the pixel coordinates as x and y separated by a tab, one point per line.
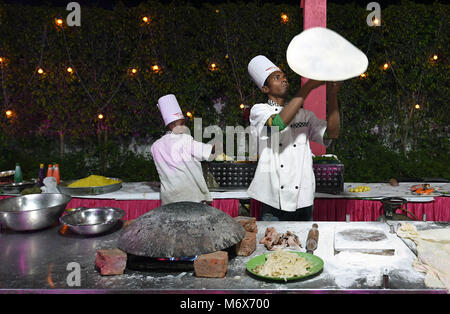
317	130
201	151
259	115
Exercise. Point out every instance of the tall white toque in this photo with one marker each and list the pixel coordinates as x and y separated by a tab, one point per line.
260	68
170	109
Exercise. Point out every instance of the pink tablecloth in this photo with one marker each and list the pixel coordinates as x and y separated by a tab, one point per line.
335	209
325	209
136	208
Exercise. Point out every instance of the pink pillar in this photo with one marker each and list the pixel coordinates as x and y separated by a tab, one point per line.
315	14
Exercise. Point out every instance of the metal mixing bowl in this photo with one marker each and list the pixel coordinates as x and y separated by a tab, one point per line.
90	221
32	212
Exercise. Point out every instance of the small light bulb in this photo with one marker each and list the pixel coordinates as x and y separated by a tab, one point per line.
1	59
217	10
213	66
9	113
145	19
133	70
435	57
242	106
189	114
363	75
40	71
100	116
59	22
376	21
155	68
386	66
69	69
417	106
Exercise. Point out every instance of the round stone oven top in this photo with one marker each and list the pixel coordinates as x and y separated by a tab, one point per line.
180	229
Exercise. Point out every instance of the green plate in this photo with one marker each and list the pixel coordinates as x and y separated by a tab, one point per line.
317	266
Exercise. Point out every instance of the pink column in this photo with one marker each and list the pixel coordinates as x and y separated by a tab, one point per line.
315	14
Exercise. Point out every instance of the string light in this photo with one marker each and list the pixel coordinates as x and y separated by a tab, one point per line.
133	70
435	57
363	75
284	18
242	106
2	59
155	68
146	19
376	21
213	66
217	10
100	116
40	71
189	114
59	22
417	106
69	69
386	66
9	113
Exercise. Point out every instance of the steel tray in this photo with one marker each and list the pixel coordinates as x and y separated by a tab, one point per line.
92	190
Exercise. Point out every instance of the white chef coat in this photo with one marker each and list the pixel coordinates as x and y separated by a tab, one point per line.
177	158
284	177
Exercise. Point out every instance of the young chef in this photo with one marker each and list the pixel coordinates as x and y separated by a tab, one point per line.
177	158
284	179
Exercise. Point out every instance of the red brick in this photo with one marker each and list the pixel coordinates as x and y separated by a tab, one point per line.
248	244
111	262
249	223
212	265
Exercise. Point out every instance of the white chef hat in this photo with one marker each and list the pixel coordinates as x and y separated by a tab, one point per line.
170	109
260	68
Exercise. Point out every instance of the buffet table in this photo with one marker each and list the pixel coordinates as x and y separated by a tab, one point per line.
38	262
137	198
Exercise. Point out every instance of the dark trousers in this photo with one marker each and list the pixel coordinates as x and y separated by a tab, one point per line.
269	213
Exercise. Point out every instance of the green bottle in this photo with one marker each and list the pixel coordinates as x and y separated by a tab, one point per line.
18	174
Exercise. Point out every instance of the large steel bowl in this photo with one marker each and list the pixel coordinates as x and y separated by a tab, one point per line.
91	221
32	212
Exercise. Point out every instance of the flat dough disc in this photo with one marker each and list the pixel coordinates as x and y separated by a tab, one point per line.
322	54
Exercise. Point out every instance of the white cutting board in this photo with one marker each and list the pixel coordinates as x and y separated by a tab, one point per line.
370	239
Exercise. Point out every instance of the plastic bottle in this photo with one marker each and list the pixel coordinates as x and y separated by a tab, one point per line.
41	175
56	173
18	174
50	170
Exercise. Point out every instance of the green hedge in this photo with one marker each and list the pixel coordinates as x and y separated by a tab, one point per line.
55	114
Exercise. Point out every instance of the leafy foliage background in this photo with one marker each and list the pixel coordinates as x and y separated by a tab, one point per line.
55	114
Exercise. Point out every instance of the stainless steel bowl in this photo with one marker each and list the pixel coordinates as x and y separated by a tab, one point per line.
92	190
16	188
90	221
32	212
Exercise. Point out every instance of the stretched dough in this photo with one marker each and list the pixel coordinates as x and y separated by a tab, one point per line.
321	54
433	254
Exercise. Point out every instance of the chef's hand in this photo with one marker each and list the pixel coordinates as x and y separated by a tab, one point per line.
333	87
311	84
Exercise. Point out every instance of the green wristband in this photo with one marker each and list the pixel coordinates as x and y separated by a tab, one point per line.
277	121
